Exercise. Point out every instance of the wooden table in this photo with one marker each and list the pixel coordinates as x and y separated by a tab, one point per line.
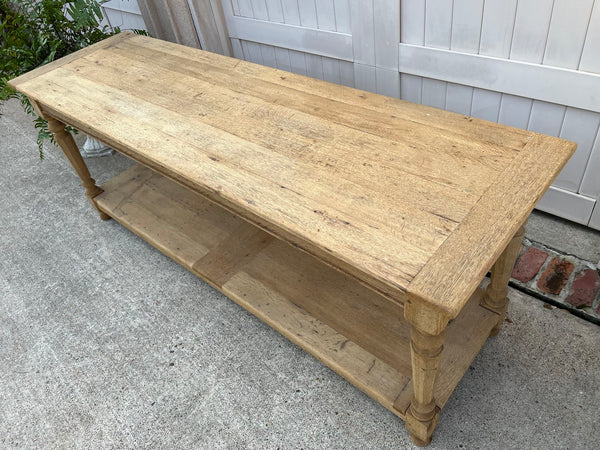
357	225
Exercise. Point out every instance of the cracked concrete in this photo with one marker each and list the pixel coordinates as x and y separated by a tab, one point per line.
105	342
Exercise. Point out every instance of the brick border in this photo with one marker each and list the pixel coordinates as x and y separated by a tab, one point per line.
562	280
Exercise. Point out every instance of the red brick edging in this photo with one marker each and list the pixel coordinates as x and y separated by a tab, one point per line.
565	279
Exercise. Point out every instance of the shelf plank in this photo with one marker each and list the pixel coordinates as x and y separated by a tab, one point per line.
352	329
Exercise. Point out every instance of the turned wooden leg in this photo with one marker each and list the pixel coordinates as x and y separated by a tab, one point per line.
496	295
423	414
69	148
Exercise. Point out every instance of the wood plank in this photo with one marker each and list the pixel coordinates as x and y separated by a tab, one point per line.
447	152
531	30
578	89
343	356
386	19
225	259
400	130
466	32
300	177
354	331
363	179
447	281
352	310
570	205
309	40
291	14
261	295
342	16
368	103
438	31
591	48
590	185
497	27
165	153
583	127
595	219
363	33
564	49
16	82
460	349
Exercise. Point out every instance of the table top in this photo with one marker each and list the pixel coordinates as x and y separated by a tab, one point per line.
413	201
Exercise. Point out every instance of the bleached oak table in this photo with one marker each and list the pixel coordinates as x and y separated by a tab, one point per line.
357	225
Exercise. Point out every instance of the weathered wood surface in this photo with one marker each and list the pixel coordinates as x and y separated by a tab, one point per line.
355	331
404	198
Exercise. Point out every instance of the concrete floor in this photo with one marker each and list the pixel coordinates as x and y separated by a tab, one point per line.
105	342
564	236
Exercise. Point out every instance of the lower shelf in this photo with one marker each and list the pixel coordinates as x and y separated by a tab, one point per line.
356	332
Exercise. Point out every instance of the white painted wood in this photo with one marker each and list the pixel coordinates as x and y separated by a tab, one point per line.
320	42
564	48
438	23
274	10
412	31
466	25
252	52
582	127
497	27
412	22
595	220
466	32
342	16
268	55
308	14
411	88
438	34
459	98
282	56
590	57
291	14
531	29
591	178
496	35
314	66
546	118
386	33
363	35
235	6
365	77
347	73
571	206
236	46
331	70
325	15
486	104
434	93
130	6
259	7
124	20
387	82
245	8
578	89
386	29
298	62
515	111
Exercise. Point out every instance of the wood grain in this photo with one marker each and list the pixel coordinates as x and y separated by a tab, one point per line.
356	332
448	280
397	196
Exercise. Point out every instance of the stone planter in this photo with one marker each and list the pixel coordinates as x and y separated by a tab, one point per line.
93	147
